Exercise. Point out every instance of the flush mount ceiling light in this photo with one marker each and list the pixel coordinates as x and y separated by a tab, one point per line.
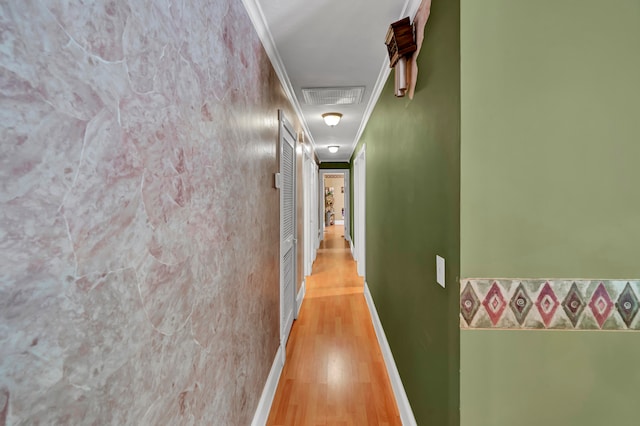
331	119
333	149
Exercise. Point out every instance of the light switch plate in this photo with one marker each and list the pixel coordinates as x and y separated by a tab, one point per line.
277	180
440	270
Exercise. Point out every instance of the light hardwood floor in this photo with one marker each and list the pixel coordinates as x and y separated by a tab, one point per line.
335	373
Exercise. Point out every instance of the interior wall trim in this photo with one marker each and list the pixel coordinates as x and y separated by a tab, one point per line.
346	173
406	413
300	297
264	34
268	393
409	9
550	304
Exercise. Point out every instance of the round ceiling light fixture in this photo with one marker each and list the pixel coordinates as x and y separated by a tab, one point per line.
331	119
333	148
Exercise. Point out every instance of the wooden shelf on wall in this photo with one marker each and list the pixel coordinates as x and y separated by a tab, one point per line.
400	40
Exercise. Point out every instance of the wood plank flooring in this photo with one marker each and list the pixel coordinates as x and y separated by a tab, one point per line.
335	373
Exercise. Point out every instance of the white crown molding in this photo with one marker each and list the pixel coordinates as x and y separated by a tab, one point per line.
410	8
254	10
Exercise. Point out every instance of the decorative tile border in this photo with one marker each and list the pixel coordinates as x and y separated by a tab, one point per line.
550	304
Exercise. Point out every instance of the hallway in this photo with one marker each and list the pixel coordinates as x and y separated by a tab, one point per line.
335	373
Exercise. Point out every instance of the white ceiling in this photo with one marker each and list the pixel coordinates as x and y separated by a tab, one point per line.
329	43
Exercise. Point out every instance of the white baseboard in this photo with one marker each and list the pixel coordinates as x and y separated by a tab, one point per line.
347	237
300	297
269	391
406	413
339	222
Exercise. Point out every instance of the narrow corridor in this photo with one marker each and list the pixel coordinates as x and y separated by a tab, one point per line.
335	373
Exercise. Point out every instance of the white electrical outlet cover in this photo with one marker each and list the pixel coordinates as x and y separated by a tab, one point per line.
440	270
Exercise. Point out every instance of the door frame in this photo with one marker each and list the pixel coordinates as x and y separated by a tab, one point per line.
347	200
359	210
310	218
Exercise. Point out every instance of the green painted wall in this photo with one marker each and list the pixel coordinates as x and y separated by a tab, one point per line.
413	183
336	165
533	378
550	138
550	146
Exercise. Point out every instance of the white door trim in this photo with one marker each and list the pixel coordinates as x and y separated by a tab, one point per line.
316	208
308	218
347	200
359	210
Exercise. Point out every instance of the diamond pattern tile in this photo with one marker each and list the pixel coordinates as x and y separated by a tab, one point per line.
627	305
469	303
573	304
494	303
601	304
520	304
547	304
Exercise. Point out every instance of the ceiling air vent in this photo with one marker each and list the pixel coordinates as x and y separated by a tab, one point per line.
332	95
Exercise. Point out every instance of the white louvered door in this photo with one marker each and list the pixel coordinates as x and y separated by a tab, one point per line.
287	228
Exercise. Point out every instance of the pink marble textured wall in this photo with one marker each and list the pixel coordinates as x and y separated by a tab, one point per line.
139	224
